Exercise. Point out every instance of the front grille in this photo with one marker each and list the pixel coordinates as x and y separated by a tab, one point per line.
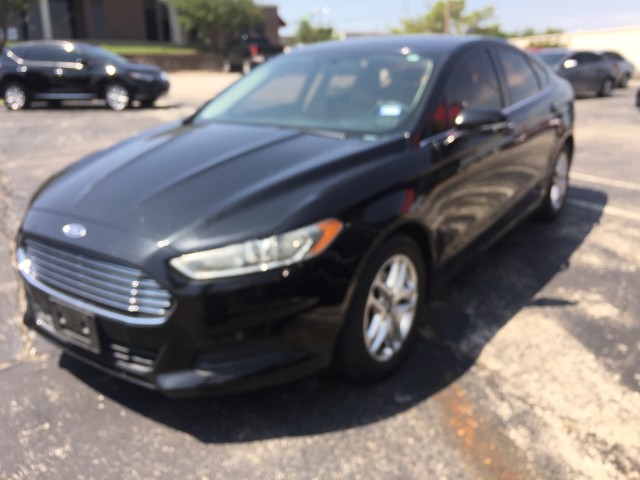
118	288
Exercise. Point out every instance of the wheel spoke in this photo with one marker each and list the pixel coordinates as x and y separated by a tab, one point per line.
375	303
401	278
383	287
380	337
393	276
374	328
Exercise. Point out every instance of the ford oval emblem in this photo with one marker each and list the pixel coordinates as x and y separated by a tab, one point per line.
74	230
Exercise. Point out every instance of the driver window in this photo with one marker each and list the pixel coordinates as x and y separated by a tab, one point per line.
473	83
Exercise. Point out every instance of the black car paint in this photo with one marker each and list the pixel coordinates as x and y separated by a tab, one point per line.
85	78
453	197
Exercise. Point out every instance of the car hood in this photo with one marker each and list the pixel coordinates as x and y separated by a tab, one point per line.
200	186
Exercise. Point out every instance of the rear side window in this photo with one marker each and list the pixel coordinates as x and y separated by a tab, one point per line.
520	78
39	53
586	57
541	71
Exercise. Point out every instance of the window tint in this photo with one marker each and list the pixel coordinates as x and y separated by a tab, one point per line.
520	78
586	57
39	53
367	93
19	51
541	72
47	53
61	55
473	83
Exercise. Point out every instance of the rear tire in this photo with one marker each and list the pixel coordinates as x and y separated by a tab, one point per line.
606	88
624	81
557	190
387	303
16	96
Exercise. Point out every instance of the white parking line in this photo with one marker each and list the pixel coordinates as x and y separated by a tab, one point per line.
583	177
608	210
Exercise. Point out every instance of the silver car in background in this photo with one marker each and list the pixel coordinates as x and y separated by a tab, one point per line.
589	73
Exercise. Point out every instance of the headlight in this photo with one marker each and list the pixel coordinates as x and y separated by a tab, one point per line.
259	255
164	77
144	77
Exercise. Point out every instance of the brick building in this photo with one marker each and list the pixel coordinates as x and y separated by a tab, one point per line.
133	20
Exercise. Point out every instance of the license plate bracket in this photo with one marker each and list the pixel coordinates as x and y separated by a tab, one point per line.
69	324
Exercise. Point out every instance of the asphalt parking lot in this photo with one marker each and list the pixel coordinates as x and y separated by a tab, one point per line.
529	367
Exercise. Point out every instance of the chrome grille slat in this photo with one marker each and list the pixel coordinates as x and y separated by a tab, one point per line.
117	299
66	265
88	261
123	289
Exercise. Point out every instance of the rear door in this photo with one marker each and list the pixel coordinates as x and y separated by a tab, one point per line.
533	118
587	76
69	75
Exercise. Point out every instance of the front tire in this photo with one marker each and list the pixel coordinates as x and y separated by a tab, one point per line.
387	304
117	96
557	190
16	96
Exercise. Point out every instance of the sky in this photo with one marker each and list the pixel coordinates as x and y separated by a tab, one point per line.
375	16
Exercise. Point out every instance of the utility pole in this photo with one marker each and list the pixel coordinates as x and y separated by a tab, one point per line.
447	15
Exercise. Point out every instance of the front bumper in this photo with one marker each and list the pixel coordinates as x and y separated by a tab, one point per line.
244	334
150	90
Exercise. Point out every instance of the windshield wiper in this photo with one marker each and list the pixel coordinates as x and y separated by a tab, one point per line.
322	132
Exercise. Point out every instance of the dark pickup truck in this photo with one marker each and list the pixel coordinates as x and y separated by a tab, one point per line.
247	52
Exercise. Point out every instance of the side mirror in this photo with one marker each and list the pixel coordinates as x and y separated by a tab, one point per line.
569	64
480	118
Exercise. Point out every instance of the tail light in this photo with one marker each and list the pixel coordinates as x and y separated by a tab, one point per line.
253	48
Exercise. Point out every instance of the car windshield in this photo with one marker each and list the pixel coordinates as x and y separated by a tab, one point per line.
550	58
102	54
354	93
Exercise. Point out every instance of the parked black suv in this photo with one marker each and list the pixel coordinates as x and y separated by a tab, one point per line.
60	70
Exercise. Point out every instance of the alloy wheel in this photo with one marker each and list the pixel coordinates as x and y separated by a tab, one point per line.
559	182
117	97
15	96
391	307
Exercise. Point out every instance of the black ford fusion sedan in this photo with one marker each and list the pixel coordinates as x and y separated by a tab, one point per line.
300	218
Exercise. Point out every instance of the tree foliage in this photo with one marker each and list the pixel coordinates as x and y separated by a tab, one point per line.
7	7
216	21
307	33
434	21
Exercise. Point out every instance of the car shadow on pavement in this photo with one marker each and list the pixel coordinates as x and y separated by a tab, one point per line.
98	105
461	321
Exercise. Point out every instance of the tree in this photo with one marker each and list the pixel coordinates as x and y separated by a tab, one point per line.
438	20
307	33
7	7
216	21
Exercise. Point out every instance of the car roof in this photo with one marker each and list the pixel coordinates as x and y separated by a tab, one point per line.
47	43
435	43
